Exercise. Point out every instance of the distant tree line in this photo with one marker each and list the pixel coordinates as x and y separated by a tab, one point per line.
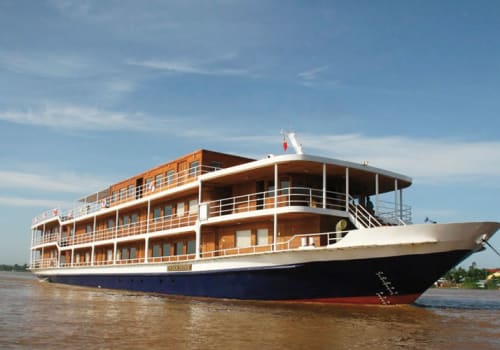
15	267
471	278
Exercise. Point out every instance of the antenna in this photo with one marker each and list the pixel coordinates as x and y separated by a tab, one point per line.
293	140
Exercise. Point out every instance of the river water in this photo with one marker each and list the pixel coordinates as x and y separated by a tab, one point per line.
41	315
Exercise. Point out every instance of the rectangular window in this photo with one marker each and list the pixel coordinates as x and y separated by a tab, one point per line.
170	176
77	258
193	206
87	257
125	255
243	238
134	218
133	253
179	248
166	249
193	168
180	209
191	247
123	194
131	191
115	196
262	236
126	220
270	189
156	250
158	180
168	210
284	186
156	213
215	165
109	254
111	224
149	184
88	228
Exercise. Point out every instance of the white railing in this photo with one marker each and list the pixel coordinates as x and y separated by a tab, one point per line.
361	216
290	196
131	229
394	214
296	242
167	182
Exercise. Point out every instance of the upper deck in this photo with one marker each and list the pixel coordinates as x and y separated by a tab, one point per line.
218	169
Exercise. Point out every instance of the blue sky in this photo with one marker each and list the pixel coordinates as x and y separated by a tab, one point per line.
92	92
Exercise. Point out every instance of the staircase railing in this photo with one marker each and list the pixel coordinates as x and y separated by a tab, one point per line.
360	216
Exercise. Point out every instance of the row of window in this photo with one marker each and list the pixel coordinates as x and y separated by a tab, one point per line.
152	183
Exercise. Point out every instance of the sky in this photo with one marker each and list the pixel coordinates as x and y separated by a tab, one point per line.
92	92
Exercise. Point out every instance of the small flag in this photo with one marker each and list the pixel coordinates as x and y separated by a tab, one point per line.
285	144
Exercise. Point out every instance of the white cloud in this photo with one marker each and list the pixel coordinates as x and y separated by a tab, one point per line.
312	74
45	64
190	67
429	160
77	117
55	182
32	202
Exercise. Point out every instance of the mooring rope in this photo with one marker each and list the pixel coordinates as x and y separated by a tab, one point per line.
489	245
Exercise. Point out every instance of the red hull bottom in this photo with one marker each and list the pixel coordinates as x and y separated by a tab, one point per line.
366	300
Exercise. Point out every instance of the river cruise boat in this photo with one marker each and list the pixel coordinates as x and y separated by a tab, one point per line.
292	227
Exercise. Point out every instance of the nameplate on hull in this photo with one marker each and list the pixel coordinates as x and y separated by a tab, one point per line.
179	267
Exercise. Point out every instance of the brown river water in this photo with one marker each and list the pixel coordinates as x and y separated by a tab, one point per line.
41	315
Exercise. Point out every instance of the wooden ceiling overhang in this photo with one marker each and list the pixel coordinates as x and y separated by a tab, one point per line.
362	178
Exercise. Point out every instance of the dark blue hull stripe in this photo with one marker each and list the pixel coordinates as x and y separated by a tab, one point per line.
381	277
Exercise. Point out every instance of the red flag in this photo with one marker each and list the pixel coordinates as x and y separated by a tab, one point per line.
285	144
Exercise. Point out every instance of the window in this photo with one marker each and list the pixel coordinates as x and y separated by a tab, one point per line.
87	257
166	249
158	179
156	213
191	247
170	176
156	250
149	184
134	218
216	165
168	210
243	238
180	209
179	248
193	168
77	258
284	186
126	220
88	228
109	254
115	196
193	206
125	254
123	194
131	191
111	224
133	253
270	188
262	236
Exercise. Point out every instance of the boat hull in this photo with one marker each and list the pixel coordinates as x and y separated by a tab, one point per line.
386	280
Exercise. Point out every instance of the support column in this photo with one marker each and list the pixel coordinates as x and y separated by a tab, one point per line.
198	225
401	204
275	221
92	259
347	189
146	240
115	243
376	195
324	186
395	197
